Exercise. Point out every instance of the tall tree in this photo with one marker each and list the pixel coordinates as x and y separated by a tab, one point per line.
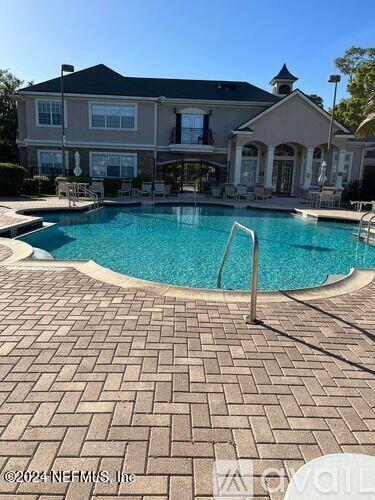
353	59
317	99
361	88
8	112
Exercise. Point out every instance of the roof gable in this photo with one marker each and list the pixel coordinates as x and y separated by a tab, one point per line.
101	80
286	99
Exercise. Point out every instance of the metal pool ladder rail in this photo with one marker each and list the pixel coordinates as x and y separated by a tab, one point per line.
251	318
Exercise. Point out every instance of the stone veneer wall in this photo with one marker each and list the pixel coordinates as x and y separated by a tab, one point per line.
145	159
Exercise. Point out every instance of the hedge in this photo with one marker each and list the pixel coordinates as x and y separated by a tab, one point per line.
39	184
11	179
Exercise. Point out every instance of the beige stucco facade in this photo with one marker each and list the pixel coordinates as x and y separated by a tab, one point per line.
294	121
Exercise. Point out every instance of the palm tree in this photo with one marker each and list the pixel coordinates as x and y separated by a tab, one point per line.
367	126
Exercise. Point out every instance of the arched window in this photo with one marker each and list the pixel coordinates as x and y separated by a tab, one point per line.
317	154
250	151
249	165
284	89
284	150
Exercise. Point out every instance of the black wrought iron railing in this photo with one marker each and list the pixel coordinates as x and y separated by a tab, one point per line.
191	136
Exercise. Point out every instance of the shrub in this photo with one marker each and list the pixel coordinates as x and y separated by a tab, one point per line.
30	186
46	185
11	179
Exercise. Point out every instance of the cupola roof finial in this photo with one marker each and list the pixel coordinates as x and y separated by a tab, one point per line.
283	74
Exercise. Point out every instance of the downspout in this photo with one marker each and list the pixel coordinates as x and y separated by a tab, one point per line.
155	135
160	100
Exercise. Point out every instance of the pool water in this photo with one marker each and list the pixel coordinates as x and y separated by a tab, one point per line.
183	245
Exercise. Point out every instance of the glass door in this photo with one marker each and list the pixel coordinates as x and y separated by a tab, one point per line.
192	129
282	176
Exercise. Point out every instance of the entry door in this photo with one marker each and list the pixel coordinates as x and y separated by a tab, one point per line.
282	176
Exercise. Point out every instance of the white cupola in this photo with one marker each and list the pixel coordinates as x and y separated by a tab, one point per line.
282	83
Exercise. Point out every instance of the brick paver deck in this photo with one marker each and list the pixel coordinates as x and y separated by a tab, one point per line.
5	252
96	377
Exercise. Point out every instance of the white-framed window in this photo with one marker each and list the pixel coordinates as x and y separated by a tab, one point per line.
116	165
49	162
346	174
113	116
249	165
48	112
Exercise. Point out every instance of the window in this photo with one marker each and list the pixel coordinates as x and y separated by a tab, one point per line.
191	129
249	151
49	162
284	89
346	174
113	116
48	113
284	150
121	165
249	165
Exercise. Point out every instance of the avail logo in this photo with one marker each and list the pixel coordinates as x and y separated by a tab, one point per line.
233	479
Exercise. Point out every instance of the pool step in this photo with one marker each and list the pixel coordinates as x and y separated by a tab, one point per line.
148	203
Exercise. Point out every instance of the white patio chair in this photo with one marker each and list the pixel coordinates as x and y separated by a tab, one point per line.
326	197
62	188
313	198
146	189
229	192
159	189
126	188
97	186
336	200
260	193
243	193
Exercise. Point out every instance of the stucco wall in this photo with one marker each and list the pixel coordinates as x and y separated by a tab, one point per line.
78	129
293	121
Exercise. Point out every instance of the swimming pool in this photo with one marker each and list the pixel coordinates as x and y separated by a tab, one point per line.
183	245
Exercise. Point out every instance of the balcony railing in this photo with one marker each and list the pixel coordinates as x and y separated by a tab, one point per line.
192	136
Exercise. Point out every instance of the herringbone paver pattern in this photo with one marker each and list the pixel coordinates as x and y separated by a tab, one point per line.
5	252
95	377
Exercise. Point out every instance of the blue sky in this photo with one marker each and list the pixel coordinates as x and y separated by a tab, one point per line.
225	40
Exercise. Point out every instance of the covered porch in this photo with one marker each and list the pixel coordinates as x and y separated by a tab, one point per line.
282	148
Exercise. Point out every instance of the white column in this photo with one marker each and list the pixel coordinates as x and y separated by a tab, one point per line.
237	165
269	168
340	169
308	169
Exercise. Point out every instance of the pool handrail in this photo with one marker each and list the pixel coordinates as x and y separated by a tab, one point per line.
75	189
251	318
361	220
369	228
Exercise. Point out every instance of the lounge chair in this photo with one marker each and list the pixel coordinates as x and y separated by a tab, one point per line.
126	188
243	193
97	186
229	192
360	204
159	189
62	188
146	189
260	193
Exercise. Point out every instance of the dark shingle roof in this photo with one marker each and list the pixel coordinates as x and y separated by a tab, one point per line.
101	80
284	74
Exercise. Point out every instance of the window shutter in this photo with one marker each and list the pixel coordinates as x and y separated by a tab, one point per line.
206	119
178	128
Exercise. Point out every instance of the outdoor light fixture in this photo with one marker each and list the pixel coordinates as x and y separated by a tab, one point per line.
332	79
67	68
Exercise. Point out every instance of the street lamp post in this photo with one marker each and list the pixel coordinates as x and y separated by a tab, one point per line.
332	79
68	68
